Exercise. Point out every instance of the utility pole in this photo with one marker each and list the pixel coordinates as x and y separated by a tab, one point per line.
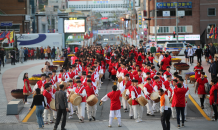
155	21
177	30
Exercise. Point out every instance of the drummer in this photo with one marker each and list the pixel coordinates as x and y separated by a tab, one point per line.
115	105
70	89
80	91
167	72
166	84
148	76
40	83
156	85
54	77
52	81
91	90
136	92
148	89
83	77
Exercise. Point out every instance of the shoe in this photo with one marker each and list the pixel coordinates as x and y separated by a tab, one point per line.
51	121
137	121
178	126
90	119
148	114
131	117
40	128
43	126
202	107
119	125
93	118
101	82
183	125
70	117
63	129
27	103
140	120
46	123
81	121
109	126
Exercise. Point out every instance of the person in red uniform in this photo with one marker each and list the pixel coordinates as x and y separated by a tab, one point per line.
179	97
48	96
136	70
151	58
214	98
198	69
167	72
113	74
130	73
148	74
54	76
133	66
153	71
115	105
91	90
148	89
26	88
201	89
165	62
76	49
166	84
139	77
40	82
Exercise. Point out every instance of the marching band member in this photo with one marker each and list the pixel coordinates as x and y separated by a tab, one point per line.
136	70
62	77
54	76
78	66
48	97
148	76
115	105
70	73
170	94
136	92
70	89
130	73
138	77
124	71
148	89
52	81
156	85
214	98
167	72
91	110
133	66
166	84
128	96
83	77
126	83
40	83
65	74
153	71
80	90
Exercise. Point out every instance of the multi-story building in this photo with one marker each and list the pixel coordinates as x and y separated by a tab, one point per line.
189	20
208	18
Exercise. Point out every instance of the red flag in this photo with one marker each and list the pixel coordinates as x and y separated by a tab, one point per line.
215	32
8	36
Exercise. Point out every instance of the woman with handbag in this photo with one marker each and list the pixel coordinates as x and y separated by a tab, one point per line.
26	88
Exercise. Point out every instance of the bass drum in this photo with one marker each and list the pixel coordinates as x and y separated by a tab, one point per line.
75	99
52	104
92	100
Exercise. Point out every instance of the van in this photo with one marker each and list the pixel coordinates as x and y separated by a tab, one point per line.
176	47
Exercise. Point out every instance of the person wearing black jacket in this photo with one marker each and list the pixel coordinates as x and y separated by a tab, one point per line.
39	102
216	62
199	53
2	54
212	50
212	68
13	55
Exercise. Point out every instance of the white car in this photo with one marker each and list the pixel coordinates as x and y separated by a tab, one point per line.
105	39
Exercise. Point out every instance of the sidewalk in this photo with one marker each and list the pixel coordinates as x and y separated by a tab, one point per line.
11	77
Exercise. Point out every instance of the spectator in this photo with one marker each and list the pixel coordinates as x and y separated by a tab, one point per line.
25	54
17	55
32	54
68	50
58	53
13	57
153	49
37	53
199	53
214	97
212	50
65	53
29	54
216	62
191	54
0	65
53	53
21	55
212	69
46	69
207	52
2	56
49	52
42	52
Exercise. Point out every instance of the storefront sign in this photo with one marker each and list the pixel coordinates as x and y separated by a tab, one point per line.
181	13
192	37
169	5
140	20
110	32
180	38
166	13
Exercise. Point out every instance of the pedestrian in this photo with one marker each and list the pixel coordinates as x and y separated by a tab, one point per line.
58	53
115	105
191	54
53	53
37	53
42	53
198	69
199	53
153	49
32	54
186	54
21	54
17	55
179	97
2	56
212	69
13	56
68	50
26	88
214	98
61	106
0	65
25	54
165	62
212	50
207	52
39	102
165	110
201	89
49	52
216	62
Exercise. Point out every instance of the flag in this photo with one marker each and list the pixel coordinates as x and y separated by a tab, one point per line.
211	32
11	37
8	36
215	32
2	35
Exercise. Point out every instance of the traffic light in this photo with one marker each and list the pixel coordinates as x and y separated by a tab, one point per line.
143	19
123	19
174	34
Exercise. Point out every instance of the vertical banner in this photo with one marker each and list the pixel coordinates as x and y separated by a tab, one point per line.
140	20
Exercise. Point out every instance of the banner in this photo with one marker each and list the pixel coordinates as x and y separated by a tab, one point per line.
169	5
11	40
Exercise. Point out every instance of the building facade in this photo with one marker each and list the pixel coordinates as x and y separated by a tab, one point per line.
208	18
189	20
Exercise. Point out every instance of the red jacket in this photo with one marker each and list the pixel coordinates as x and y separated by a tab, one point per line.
115	100
48	97
214	87
90	90
139	78
137	91
80	90
165	62
179	97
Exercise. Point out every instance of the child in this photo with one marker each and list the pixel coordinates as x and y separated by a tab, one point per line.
151	58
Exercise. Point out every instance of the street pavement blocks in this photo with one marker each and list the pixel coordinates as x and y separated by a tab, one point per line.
15	106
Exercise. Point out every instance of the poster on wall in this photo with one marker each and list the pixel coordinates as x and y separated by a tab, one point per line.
166	13
74	26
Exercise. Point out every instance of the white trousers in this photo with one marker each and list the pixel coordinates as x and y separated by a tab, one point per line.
81	110
156	106
115	113
111	120
91	110
173	112
149	107
125	104
54	114
130	110
137	110
46	111
70	106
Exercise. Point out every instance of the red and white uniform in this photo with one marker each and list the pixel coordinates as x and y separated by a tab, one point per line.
39	84
166	73
48	97
63	77
148	89
81	108
54	78
166	86
139	78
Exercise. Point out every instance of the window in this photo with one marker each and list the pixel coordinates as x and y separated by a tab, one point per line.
163	30
181	29
188	12
211	12
172	13
14	27
55	8
159	13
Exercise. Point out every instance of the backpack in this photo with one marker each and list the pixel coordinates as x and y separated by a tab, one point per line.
207	87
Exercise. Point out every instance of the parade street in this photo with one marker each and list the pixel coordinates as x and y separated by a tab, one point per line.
27	120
